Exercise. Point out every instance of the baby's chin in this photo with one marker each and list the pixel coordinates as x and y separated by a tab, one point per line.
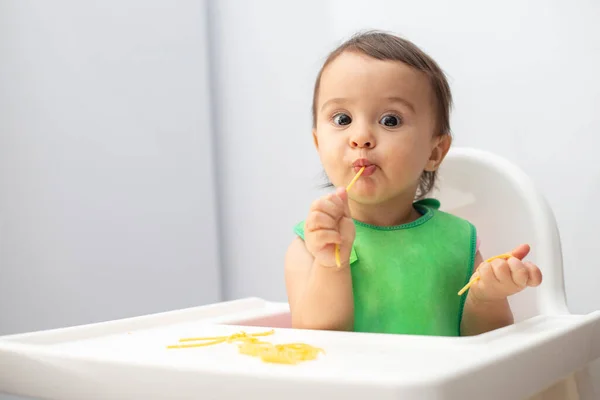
374	196
367	197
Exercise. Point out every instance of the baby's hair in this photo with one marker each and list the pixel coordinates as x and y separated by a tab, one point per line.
388	47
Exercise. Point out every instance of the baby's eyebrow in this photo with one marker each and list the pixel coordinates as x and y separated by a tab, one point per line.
395	99
333	101
403	101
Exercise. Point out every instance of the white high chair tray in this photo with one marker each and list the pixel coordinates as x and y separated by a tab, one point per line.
129	359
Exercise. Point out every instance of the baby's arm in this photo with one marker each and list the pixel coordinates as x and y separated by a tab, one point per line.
486	307
319	293
479	316
319	297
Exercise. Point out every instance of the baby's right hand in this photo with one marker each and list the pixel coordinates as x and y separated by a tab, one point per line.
329	223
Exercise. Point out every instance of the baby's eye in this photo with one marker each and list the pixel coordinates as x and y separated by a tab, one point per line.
342	119
390	120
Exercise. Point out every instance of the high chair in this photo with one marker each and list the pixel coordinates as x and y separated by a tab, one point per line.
545	355
507	209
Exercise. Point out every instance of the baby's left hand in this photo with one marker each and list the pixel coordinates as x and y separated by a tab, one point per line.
502	278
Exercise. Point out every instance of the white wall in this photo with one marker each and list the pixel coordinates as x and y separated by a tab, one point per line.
264	55
107	205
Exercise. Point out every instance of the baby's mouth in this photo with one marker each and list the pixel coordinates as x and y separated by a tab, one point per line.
363	162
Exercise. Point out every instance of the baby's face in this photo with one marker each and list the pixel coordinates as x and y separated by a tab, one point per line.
378	113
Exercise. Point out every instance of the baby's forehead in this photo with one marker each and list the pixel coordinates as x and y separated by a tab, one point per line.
354	75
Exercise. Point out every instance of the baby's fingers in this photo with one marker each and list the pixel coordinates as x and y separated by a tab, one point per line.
320	220
330	205
324	237
518	271
535	275
486	274
502	271
342	196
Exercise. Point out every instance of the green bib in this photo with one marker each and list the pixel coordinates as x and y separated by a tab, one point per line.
405	278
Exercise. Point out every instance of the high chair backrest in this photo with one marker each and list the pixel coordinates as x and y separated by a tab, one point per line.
507	210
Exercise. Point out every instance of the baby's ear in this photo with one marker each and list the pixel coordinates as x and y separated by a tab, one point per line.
315	139
440	146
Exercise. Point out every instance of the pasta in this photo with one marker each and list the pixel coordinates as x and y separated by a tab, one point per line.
477	277
338	262
252	345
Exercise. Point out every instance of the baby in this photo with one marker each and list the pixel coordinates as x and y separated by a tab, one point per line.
382	104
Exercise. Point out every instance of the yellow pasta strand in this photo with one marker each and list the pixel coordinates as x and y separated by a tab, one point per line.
183	346
234	336
338	262
353	181
202	338
505	256
251	345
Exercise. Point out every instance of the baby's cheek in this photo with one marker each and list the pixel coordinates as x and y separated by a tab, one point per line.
332	166
421	154
330	145
406	162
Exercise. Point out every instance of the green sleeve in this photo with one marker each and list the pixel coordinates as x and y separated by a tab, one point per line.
299	229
